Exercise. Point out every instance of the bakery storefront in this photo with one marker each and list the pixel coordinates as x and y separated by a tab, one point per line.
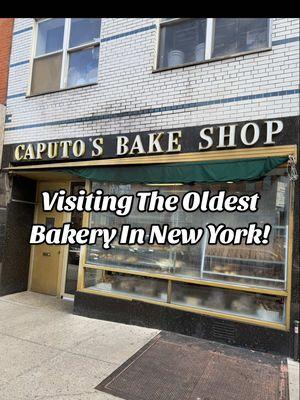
241	294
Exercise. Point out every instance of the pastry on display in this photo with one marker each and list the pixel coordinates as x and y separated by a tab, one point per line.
108	278
179	264
269	310
191	300
145	290
164	263
131	260
124	283
119	257
273	251
225	268
218	268
244	304
216	299
268	304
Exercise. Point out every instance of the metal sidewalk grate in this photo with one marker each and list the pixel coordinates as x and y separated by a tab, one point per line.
175	367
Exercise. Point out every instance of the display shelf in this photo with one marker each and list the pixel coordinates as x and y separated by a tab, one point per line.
148	219
135	249
177	259
256	271
137	257
252	277
250	260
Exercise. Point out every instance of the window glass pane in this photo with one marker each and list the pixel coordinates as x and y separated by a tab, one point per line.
236	35
137	286
46	74
83	66
84	30
252	305
257	265
74	249
182	42
50	36
151	258
263	265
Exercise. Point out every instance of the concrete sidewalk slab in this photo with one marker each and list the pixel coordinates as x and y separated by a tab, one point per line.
18	356
96	346
7	309
65	374
294	376
39	300
60	331
47	352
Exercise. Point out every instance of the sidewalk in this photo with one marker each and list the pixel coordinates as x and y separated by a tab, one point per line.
46	352
294	374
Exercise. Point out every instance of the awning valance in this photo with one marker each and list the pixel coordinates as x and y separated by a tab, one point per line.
192	172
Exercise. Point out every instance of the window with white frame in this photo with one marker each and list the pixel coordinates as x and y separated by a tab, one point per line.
191	40
66	54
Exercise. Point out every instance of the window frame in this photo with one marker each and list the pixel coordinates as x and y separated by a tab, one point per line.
209	40
65	51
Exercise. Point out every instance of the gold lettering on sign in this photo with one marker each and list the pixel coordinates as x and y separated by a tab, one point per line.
154	145
18	156
173	141
52	149
97	145
137	146
216	136
271	131
230	135
204	135
122	145
244	132
40	148
29	153
65	144
79	148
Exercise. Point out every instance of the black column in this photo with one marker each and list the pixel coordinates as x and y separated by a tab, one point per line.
16	221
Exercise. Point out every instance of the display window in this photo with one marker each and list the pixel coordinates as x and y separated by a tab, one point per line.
242	282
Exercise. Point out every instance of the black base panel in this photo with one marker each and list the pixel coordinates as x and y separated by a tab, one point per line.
187	323
177	367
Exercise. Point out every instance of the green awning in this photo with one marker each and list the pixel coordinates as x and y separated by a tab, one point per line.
246	169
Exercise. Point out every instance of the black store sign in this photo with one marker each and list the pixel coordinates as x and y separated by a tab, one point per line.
233	135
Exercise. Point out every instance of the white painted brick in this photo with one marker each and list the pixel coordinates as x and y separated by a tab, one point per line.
126	83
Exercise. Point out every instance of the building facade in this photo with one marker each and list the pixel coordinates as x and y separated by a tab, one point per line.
6	29
118	104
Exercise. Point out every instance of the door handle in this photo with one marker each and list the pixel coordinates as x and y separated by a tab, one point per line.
46	254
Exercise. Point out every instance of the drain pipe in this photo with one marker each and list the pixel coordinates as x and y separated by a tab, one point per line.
296	340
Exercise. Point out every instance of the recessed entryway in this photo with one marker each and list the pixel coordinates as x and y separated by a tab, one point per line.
54	268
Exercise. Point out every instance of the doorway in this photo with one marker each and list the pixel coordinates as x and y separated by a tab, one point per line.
46	259
71	270
54	268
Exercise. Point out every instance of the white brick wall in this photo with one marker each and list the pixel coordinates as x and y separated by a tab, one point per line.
126	83
2	118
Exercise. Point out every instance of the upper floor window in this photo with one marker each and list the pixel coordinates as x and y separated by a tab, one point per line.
66	54
191	40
